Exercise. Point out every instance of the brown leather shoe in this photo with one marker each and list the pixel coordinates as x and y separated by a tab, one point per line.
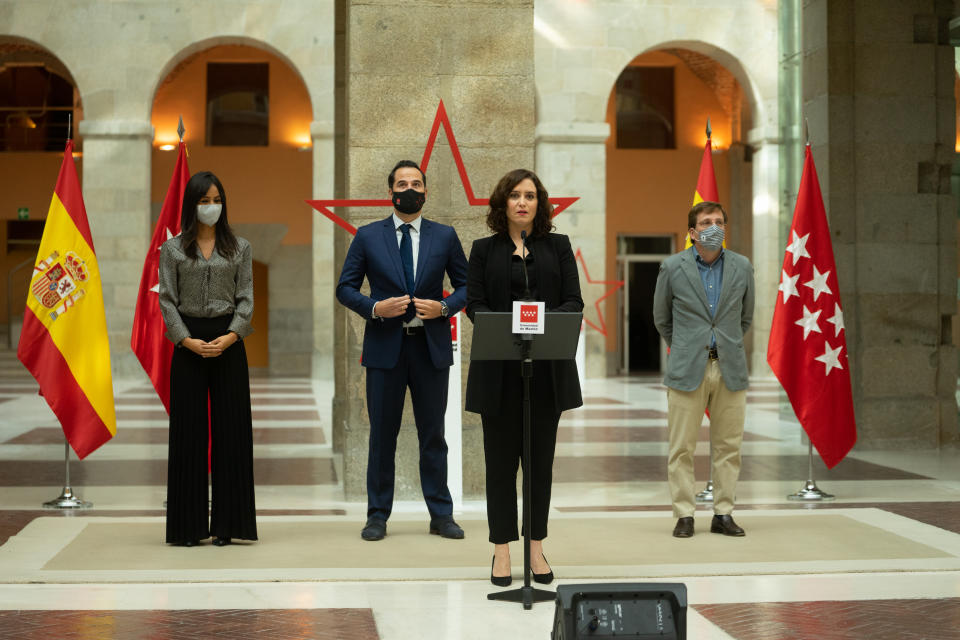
684	528
724	524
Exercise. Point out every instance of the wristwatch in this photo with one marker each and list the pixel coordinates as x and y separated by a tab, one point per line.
444	309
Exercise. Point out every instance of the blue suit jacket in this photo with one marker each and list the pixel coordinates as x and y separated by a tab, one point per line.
375	254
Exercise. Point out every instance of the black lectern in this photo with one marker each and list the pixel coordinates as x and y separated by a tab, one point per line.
493	339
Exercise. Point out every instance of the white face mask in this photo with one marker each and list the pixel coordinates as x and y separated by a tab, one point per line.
208	214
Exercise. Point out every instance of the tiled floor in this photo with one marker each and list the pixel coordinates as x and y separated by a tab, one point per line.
186	624
610	465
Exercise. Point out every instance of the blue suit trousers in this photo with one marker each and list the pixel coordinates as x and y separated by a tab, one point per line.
386	391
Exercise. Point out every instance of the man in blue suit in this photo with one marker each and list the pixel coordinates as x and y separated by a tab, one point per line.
406	342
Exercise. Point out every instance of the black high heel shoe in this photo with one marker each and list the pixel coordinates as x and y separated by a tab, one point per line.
499	581
543	578
221	542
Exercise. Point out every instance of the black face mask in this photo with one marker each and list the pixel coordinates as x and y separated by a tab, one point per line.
409	202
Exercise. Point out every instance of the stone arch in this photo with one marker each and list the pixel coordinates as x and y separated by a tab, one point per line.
14	48
194	48
753	103
17	49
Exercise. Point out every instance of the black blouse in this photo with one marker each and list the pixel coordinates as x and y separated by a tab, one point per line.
517	282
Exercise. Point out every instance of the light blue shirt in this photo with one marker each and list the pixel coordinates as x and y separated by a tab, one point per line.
712	277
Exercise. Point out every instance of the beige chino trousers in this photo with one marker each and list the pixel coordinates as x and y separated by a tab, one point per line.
684	417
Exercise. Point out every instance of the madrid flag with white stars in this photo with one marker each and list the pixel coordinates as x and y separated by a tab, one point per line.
153	349
808	346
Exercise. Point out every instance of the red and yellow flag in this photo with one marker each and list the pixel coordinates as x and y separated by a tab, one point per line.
706	190
64	338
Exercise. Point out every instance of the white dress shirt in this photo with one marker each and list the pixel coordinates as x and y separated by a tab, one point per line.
415	242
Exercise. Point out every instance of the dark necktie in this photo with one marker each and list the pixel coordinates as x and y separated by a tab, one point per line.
406	257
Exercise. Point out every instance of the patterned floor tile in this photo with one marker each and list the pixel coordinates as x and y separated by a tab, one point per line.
756	467
160	435
839	620
139	473
235	624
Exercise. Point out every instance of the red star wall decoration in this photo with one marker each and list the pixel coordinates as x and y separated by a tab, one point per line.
616	284
441	118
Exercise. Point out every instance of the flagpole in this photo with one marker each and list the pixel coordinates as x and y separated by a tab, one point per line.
707	494
67	499
810	491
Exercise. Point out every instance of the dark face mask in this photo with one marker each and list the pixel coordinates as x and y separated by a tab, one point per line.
409	202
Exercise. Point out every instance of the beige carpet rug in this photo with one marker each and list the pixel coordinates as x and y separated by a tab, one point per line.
581	547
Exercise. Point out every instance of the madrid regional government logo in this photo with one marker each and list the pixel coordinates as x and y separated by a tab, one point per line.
57	281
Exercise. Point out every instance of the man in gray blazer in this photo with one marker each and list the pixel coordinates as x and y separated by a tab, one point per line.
702	306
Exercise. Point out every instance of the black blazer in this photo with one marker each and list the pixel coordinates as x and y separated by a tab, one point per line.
488	289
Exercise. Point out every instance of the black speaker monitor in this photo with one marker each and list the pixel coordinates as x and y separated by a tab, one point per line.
640	611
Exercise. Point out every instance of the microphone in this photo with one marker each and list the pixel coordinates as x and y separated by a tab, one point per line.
523	263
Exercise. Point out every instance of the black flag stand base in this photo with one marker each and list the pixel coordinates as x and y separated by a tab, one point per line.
67	499
525	594
811	492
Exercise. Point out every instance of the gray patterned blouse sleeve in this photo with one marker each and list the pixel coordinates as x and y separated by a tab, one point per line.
170	296
243	313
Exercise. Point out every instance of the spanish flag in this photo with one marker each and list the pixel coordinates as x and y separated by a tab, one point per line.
706	190
63	342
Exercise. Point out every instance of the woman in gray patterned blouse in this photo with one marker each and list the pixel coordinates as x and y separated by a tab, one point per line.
206	297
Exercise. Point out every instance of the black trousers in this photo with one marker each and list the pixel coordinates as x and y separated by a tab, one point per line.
503	453
227	381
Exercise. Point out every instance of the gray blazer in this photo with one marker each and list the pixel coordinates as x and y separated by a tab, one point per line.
682	317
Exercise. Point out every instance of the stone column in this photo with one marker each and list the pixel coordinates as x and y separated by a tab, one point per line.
572	161
767	246
324	269
116	192
878	91
397	70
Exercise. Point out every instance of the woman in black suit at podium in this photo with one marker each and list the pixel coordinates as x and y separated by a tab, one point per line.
494	388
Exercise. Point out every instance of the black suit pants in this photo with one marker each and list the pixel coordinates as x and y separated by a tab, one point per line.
503	452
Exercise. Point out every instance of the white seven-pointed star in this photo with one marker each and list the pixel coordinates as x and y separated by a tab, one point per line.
798	247
156	288
809	321
830	358
788	284
836	320
819	283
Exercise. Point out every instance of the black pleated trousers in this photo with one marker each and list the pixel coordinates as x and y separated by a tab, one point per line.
226	381
503	453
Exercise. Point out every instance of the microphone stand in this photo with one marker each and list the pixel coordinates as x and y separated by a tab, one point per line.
525	594
523	263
